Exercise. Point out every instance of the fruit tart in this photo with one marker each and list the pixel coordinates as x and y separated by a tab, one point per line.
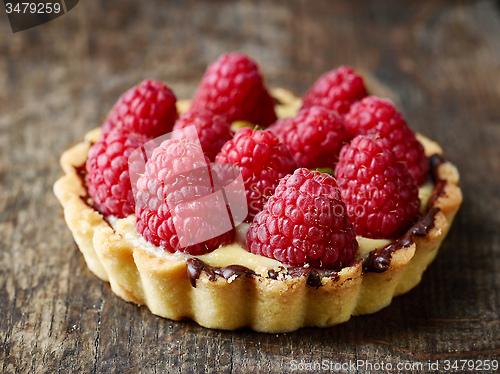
251	207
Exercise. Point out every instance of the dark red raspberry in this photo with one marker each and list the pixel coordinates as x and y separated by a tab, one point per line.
148	109
336	90
380	194
213	130
374	115
108	177
314	137
263	161
305	222
234	86
176	207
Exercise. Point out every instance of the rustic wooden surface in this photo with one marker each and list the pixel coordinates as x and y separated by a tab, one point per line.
440	60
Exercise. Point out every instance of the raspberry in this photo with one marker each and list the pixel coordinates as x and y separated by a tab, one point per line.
107	172
213	130
148	108
234	86
336	90
305	222
263	161
374	115
314	137
176	208
380	194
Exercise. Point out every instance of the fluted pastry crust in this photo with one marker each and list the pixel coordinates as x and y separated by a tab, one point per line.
255	300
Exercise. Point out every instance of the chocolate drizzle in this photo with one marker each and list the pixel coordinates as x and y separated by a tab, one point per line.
196	266
314	276
81	173
194	269
273	274
437	192
233	271
439	184
379	260
434	161
277	101
313	279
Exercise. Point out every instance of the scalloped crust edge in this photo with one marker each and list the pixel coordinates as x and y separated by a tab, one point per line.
260	303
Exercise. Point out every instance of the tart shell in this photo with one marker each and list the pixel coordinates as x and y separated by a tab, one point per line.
261	302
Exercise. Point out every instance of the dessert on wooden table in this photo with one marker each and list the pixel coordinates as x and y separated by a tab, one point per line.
262	209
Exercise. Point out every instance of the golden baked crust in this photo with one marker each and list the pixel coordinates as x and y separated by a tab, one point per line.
177	287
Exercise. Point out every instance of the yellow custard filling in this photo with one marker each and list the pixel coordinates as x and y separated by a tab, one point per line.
424	194
235	253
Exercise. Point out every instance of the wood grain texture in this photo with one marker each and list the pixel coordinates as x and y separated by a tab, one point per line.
439	60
